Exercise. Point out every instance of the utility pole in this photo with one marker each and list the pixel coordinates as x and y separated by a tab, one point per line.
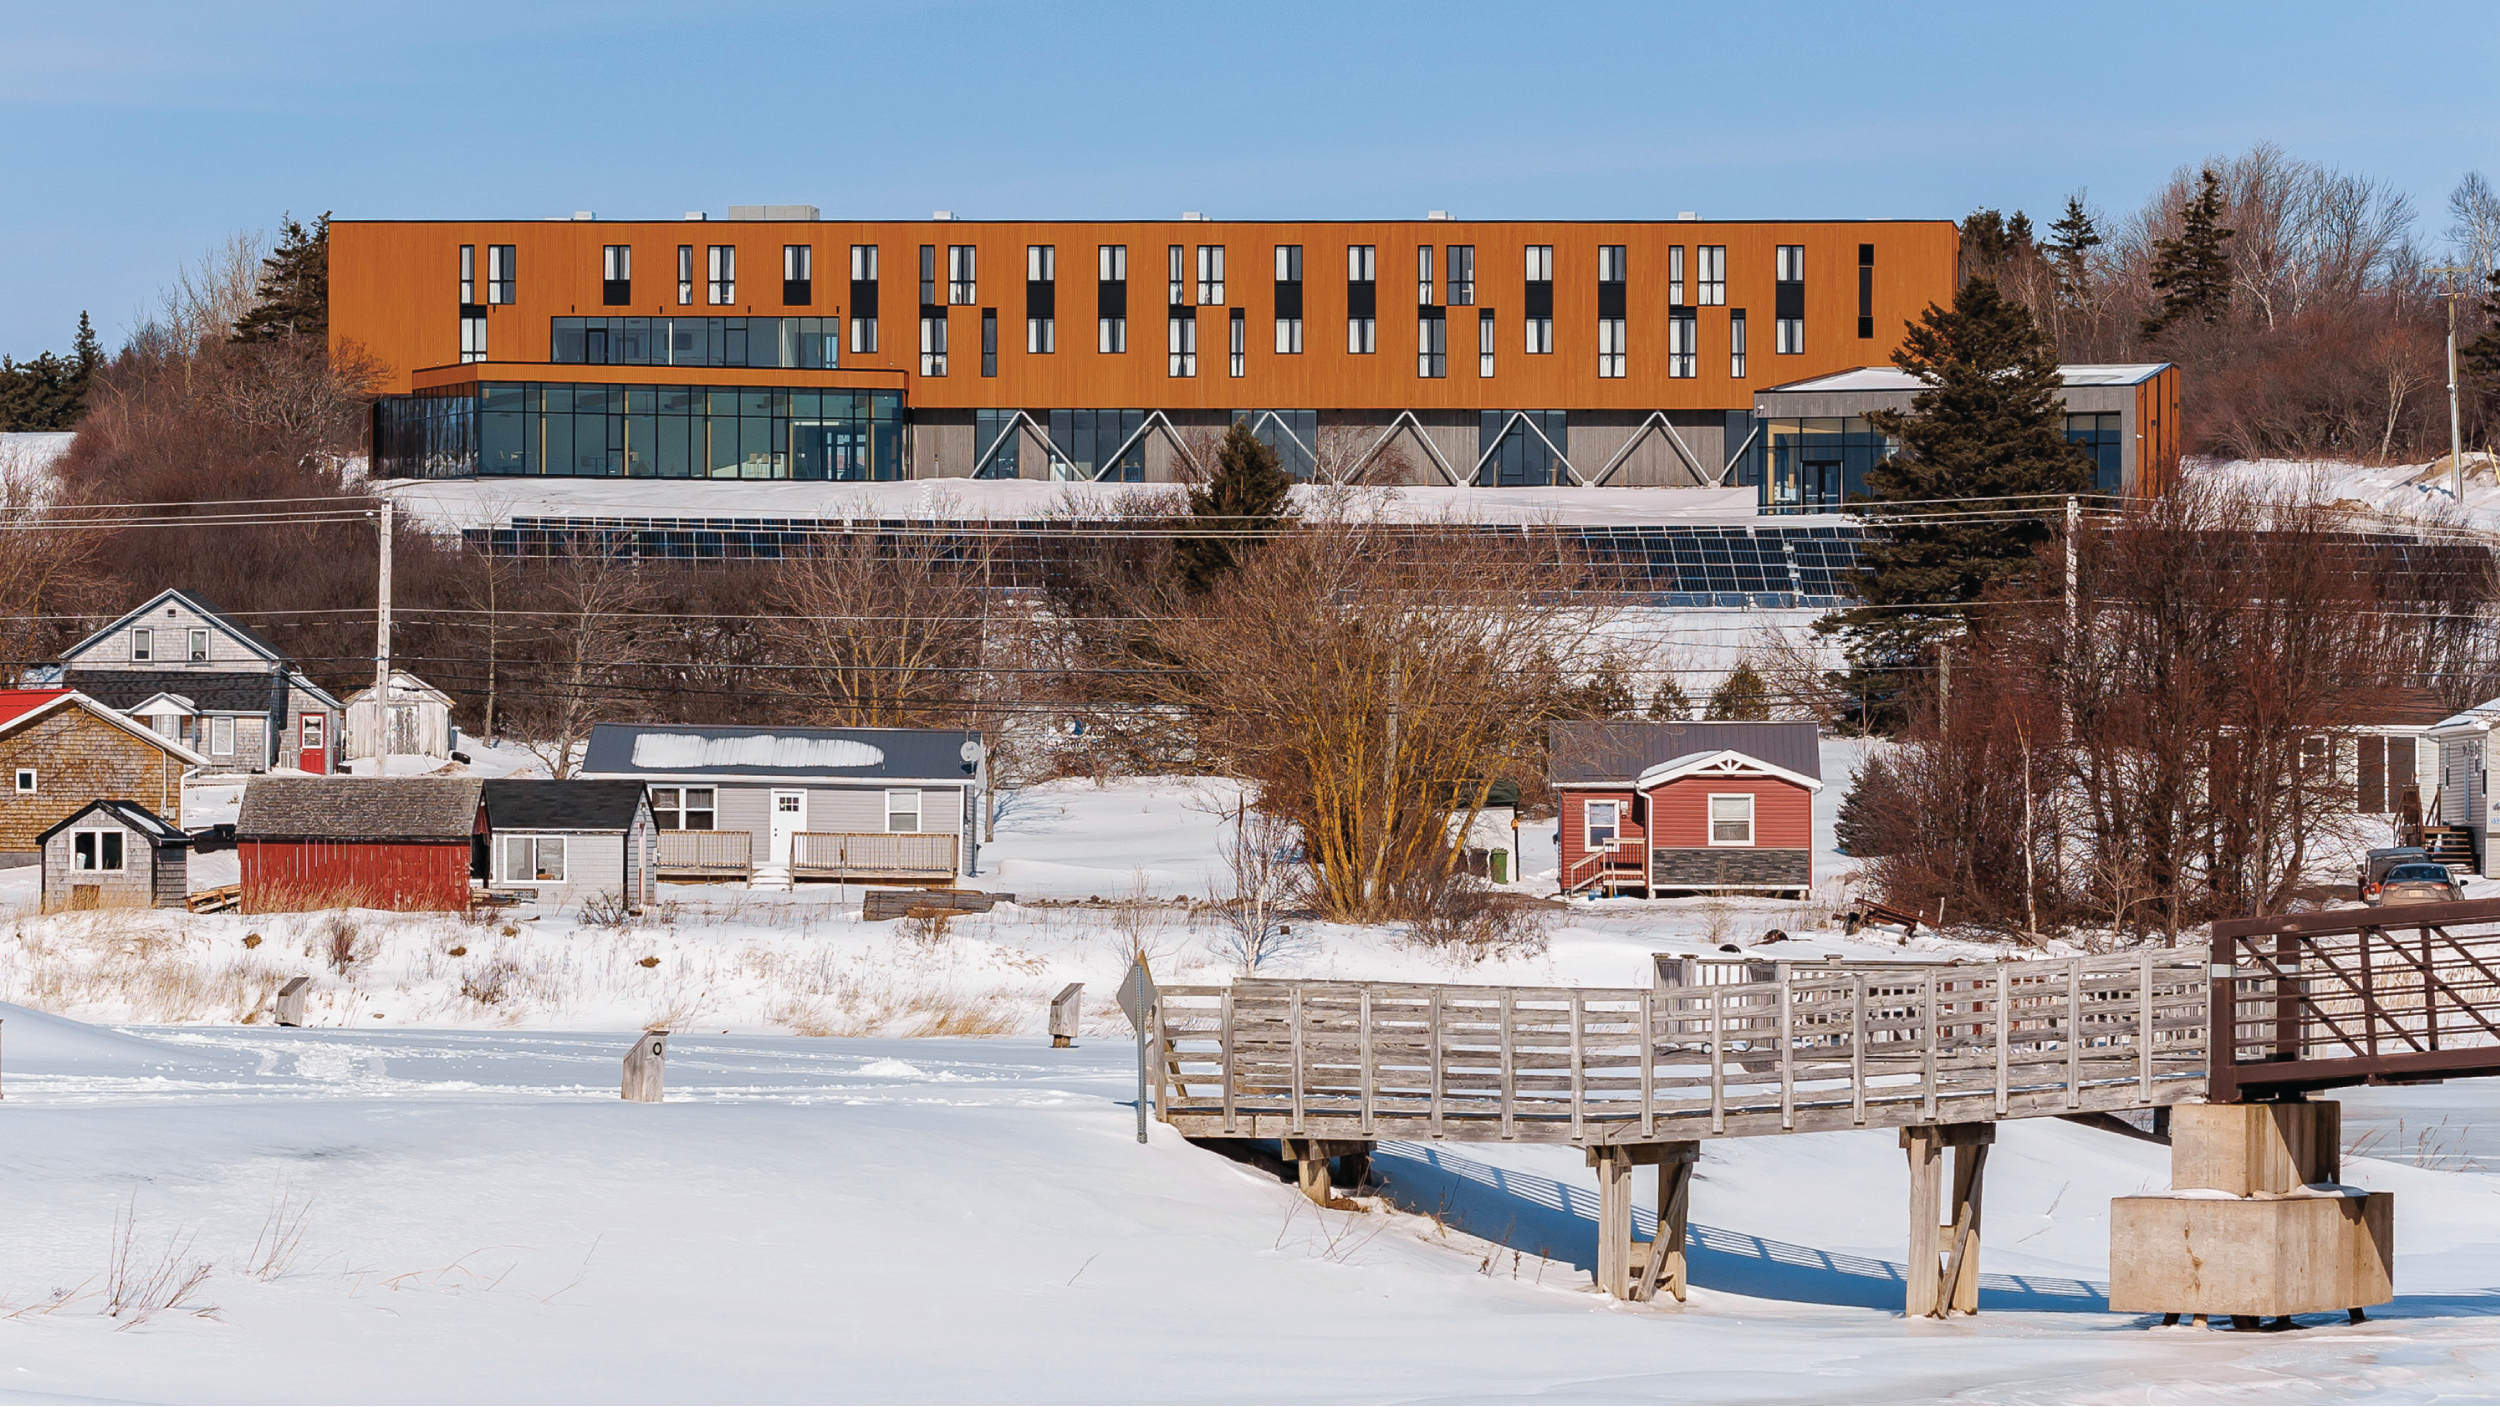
1944	687
382	653
2456	438
2074	527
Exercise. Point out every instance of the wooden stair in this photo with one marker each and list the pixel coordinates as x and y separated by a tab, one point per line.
2450	845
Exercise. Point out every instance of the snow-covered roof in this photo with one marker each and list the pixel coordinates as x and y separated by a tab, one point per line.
660	750
1893	378
2482	715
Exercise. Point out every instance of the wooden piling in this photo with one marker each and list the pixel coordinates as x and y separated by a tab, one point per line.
1942	1272
291	1001
1631	1269
645	1065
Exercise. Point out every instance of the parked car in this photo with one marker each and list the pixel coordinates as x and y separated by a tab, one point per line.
2414	884
2376	864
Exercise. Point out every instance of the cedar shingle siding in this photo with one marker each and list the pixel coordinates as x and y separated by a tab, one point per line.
77	758
155	855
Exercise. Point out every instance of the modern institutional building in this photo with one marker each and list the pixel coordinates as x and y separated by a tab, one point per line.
780	345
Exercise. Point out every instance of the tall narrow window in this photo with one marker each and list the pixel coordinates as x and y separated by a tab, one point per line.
501	277
1788	309
199	646
864	298
1288	299
1211	275
1432	343
928	278
616	275
1866	290
1176	260
1736	343
1184	342
142	646
1711	277
1236	336
468	273
1610	355
1111	298
798	275
1683	330
723	287
1423	276
962	287
1041	298
472	312
933	343
1538	316
1484	342
1675	275
1462	276
989	341
1362	299
685	274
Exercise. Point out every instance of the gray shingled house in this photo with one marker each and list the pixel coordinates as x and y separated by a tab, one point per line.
564	842
209	682
864	805
115	855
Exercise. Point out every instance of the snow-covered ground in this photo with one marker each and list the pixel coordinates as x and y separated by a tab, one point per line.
2419	495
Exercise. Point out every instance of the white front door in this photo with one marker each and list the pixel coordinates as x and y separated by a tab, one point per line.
789	818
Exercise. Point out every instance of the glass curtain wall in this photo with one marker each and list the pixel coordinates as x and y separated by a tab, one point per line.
1293	434
665	432
783	342
1818	463
1089	437
1521	455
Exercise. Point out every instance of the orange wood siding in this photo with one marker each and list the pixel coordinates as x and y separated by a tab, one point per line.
2157	443
394	292
1783	812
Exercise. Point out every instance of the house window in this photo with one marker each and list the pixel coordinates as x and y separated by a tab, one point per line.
1432	344
1461	273
1362	297
312	732
1288	299
989	341
1539	295
1236	338
1711	290
798	275
533	859
616	275
221	736
500	277
685	274
902	811
1610	354
1111	335
99	852
723	288
1736	343
933	345
1682	332
1788	330
1675	275
1362	336
1423	276
1288	336
1603	825
473	335
1184	343
960	283
1041	298
864	298
468	273
1111	298
684	808
26	781
199	647
1176	263
1484	342
142	645
1731	820
1211	275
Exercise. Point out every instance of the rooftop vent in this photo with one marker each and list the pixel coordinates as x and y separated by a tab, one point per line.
772	212
1436	214
941	214
584	215
694	215
1192	215
1686	215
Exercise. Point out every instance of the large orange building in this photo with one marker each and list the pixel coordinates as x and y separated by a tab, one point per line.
778	345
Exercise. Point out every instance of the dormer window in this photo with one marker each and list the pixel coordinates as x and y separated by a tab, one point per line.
142	646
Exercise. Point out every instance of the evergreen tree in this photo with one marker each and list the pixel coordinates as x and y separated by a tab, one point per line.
1989	428
1741	696
1990	242
1247	493
2192	271
2071	242
1669	705
294	292
50	392
1609	692
1873	799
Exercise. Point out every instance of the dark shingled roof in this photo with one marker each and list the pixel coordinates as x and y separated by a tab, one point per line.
129	813
515	804
1618	752
358	808
212	693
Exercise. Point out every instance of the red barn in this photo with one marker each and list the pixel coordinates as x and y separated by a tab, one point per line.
1662	808
357	842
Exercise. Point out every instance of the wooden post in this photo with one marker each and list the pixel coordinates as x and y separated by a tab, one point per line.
1063	1015
1961	1272
1925	1145
1665	1264
1614	1221
1942	1274
644	1066
291	1001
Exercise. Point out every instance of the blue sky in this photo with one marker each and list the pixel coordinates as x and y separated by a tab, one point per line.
140	135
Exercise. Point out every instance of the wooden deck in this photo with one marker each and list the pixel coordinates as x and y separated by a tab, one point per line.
873	855
1824	1049
706	854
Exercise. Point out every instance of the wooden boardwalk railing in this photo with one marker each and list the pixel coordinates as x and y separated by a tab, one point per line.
1823	1049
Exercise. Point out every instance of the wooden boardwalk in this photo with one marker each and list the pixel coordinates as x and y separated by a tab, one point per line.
1826	1048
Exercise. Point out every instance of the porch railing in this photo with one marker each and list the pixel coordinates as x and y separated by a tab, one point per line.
706	852
909	855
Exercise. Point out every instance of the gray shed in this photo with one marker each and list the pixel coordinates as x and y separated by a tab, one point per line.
569	841
116	855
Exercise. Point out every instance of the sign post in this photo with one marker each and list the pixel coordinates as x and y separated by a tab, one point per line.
1138	1000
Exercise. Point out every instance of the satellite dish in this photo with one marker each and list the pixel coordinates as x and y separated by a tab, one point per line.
971	752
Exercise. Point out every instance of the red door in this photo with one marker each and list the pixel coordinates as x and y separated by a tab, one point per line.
314	753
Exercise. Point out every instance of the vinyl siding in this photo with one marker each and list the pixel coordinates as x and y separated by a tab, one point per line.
1783	812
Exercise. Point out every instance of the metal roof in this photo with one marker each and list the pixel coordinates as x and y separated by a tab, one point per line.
1588	753
1893	378
358	808
867	754
524	804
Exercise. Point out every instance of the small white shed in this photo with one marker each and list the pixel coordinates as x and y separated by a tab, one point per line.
418	723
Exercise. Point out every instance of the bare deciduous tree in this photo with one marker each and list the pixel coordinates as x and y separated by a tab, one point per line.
877	632
589	642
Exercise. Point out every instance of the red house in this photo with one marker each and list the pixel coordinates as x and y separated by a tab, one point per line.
1662	808
358	842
